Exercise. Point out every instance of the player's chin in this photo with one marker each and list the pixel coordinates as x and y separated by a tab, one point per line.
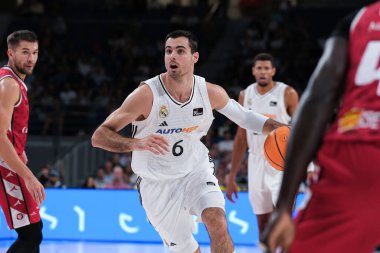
174	74
27	71
262	83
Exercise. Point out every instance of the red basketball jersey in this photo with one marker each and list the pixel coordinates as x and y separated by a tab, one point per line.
18	128
359	115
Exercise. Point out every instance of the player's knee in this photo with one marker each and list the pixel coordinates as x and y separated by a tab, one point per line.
31	234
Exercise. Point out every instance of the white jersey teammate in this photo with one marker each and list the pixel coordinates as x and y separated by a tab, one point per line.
170	113
277	101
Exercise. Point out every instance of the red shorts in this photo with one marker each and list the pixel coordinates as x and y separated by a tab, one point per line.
17	203
343	213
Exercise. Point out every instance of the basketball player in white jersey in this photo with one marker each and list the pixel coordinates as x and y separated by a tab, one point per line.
169	114
277	101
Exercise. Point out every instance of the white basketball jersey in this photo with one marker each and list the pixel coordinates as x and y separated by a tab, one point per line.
270	104
182	124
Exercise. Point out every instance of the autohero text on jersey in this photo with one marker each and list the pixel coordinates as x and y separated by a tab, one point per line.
176	130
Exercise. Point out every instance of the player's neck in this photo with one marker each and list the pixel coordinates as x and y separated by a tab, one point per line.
19	74
180	89
264	89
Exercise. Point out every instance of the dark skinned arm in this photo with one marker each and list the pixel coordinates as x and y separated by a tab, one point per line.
309	125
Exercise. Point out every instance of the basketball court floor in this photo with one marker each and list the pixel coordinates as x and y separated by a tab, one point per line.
102	247
50	246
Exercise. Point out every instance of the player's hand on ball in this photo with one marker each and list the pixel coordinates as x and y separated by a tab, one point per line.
275	147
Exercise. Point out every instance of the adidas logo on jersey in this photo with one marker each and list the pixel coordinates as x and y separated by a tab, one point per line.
272	103
163	124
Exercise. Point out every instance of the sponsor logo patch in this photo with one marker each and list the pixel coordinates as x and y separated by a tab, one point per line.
197	111
272	103
358	119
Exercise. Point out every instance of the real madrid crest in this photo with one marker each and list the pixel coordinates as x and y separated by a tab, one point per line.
163	113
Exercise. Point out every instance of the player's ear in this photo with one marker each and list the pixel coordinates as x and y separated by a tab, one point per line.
253	70
195	57
273	71
10	52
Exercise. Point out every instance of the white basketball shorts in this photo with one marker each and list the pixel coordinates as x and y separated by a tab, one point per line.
171	204
264	184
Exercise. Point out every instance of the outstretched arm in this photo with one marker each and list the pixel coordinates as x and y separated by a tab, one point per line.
135	107
314	113
244	118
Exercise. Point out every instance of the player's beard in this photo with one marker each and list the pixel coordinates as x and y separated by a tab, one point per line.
23	70
174	75
263	84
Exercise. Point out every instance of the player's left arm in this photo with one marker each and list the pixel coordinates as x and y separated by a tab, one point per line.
247	119
291	100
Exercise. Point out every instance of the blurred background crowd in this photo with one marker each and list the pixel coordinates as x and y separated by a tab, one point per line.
94	53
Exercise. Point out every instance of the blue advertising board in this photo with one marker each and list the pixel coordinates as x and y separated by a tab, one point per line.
116	215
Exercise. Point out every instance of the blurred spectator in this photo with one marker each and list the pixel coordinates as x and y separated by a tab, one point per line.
54	180
108	172
36	7
43	175
131	176
118	180
67	94
99	180
227	143
89	183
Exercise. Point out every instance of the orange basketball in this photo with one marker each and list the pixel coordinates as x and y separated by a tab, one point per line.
275	147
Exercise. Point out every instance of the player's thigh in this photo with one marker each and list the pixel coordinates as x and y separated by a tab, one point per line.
256	172
339	234
164	205
273	181
335	228
259	192
198	184
18	205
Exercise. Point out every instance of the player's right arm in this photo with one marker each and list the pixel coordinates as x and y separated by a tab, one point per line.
241	116
136	106
240	146
9	96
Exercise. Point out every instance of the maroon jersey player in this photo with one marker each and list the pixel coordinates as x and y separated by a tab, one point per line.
342	214
20	192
